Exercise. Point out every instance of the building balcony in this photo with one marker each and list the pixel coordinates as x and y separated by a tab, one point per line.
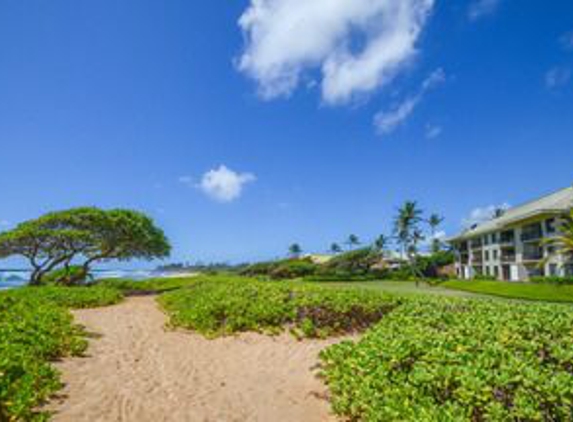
533	257
508	258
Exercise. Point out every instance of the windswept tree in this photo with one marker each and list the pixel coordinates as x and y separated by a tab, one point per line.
434	222
86	235
295	250
335	249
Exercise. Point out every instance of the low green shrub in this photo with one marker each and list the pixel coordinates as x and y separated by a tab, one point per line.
35	329
457	360
282	269
236	305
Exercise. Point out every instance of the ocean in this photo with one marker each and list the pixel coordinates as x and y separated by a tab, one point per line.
10	279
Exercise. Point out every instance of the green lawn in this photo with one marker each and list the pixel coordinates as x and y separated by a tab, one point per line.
526	291
402	288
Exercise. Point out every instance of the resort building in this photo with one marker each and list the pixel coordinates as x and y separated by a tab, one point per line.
512	247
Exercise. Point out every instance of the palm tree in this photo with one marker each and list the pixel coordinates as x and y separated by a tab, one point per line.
295	250
407	232
380	244
434	221
352	241
563	243
335	248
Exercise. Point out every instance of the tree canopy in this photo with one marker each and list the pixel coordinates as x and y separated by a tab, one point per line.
88	234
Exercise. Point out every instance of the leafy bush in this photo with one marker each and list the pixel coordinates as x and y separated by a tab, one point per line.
429	266
457	360
284	269
552	280
36	328
356	262
225	307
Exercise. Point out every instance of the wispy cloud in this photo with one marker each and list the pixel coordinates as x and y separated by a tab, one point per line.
4	224
557	77
286	39
223	184
186	180
433	131
387	121
481	8
482	214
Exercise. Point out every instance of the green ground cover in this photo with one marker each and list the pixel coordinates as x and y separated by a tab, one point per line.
526	291
154	285
439	359
36	328
222	306
422	358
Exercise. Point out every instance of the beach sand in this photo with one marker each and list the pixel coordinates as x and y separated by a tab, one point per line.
139	371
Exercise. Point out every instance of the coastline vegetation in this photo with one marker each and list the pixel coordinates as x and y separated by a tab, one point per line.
36	328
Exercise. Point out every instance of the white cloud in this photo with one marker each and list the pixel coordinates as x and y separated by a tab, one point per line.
433	131
483	214
387	121
480	8
284	39
223	184
567	41
557	77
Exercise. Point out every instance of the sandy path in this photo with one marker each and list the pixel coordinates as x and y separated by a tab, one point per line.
138	371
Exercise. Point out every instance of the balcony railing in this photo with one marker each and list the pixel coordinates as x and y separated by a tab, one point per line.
508	257
533	256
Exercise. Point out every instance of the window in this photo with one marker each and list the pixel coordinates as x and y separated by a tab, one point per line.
553	270
487	271
487	255
495	255
550	225
496	271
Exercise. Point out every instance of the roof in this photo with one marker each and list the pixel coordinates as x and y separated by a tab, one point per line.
554	203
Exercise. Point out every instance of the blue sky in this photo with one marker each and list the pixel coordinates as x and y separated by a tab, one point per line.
241	135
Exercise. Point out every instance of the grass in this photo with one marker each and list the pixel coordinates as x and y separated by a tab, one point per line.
150	286
524	291
37	328
402	288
